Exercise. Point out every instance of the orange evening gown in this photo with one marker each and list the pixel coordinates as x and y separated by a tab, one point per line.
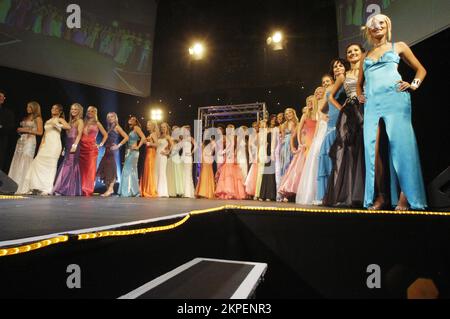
206	186
148	180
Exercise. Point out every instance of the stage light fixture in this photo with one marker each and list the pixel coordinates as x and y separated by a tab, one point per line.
156	115
276	41
277	37
197	51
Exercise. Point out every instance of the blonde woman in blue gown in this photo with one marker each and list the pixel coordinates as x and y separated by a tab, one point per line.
386	98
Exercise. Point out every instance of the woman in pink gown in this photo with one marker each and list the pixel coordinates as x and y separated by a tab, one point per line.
231	182
305	134
89	150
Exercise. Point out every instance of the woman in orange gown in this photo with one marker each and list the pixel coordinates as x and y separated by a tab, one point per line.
206	185
148	179
89	150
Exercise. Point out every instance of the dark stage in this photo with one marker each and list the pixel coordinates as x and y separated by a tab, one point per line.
31	218
311	252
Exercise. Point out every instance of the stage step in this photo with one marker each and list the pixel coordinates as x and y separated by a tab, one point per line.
204	278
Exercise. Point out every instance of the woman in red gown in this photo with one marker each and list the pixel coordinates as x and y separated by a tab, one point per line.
89	150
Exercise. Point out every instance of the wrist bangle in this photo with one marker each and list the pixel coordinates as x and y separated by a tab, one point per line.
416	83
74	145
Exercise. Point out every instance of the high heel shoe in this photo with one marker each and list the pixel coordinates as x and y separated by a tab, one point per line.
401	208
380	204
107	194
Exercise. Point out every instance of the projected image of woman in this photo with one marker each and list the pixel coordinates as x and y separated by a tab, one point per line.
5	6
30	127
107	170
129	184
386	99
68	182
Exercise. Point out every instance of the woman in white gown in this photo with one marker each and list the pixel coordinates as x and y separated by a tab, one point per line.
162	152
42	172
241	133
30	127
186	159
307	188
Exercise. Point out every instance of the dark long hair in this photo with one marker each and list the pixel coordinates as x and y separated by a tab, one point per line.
137	123
342	61
61	111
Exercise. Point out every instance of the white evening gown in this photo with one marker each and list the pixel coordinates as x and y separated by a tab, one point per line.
23	156
307	188
161	169
42	171
186	159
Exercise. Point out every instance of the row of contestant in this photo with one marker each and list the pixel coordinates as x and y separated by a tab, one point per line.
77	173
331	156
366	106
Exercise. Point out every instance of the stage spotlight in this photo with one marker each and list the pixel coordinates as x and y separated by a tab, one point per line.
276	41
277	37
156	115
197	51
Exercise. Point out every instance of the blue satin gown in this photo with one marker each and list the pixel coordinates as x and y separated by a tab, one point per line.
383	101
325	163
129	185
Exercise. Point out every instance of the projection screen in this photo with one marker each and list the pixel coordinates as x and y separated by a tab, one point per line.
112	48
413	20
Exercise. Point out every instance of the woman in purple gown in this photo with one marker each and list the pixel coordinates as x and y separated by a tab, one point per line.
68	182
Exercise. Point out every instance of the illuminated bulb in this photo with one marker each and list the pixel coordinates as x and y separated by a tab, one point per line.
277	37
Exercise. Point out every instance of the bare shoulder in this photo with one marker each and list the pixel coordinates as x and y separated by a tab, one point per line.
401	47
340	77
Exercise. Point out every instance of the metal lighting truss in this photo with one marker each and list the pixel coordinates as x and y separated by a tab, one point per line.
210	115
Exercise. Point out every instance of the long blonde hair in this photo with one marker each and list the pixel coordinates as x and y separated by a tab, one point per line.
382	17
285	125
36	109
80	111
295	115
95	120
311	114
116	121
168	133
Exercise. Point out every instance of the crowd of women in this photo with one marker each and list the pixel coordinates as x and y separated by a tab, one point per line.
333	155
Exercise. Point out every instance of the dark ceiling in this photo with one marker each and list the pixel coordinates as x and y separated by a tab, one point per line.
239	65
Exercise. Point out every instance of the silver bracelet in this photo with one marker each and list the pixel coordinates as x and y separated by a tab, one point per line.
416	83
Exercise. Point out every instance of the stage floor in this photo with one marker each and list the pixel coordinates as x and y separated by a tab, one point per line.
36	218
